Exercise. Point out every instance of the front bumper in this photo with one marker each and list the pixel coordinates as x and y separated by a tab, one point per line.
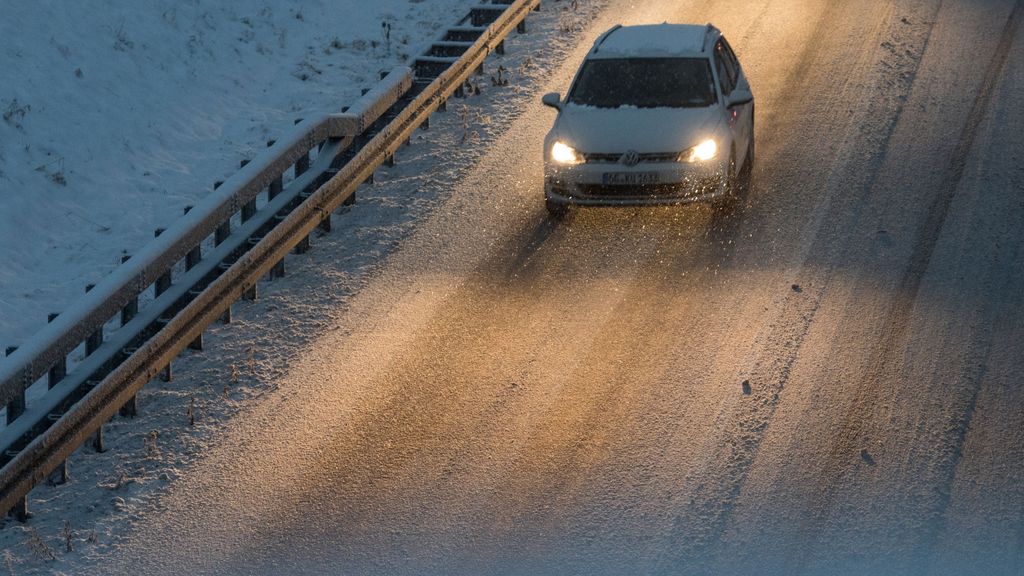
606	184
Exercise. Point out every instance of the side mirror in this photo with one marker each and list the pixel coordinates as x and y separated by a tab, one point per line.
739	97
553	99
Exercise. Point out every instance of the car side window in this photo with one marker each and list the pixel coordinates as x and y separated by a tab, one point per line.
731	59
726	70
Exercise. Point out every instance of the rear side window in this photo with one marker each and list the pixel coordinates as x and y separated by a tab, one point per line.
727	67
731	56
644	83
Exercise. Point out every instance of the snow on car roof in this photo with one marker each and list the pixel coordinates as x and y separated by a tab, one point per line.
651	40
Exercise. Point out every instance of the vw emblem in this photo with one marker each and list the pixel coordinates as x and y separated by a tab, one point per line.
631	158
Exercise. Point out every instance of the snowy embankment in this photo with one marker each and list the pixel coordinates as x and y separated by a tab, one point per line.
116	115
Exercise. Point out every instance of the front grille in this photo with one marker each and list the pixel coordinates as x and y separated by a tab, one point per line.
646	158
683	189
603	191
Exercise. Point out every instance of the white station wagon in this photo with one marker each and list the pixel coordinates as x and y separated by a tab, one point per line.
657	114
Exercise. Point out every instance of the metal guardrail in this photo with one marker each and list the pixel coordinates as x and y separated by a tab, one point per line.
328	159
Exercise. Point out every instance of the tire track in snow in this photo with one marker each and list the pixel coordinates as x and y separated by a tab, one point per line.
887	351
987	324
757	24
777	347
779	344
713	252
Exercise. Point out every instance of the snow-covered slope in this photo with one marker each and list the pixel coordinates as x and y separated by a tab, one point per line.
117	114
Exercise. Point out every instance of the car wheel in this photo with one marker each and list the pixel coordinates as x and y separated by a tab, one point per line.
556	210
732	188
746	176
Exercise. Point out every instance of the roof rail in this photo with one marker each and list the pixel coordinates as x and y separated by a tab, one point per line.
709	28
603	37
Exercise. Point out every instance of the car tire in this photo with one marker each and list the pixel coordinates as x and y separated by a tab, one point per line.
727	202
746	176
556	210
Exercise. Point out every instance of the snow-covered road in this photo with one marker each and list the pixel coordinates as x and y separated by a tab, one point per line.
513	396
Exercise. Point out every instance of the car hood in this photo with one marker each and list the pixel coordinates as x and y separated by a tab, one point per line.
646	130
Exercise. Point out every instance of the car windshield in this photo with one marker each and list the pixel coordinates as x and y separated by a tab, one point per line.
644	83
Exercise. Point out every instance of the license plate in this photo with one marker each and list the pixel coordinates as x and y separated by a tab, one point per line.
629	178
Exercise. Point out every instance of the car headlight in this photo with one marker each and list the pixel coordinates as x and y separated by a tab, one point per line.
562	153
702	152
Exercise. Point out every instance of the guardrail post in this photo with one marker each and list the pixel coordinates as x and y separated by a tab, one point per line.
220	235
224	229
131	407
95	340
59	370
252	292
20	510
302	164
163	282
97	441
277	184
192	258
57	373
275	189
249	208
248	211
194	255
340	160
131	309
59	475
226	316
521	27
301	167
16	407
196	344
325	224
277	271
500	48
222	232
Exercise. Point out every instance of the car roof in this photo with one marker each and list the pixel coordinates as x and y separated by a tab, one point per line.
654	41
